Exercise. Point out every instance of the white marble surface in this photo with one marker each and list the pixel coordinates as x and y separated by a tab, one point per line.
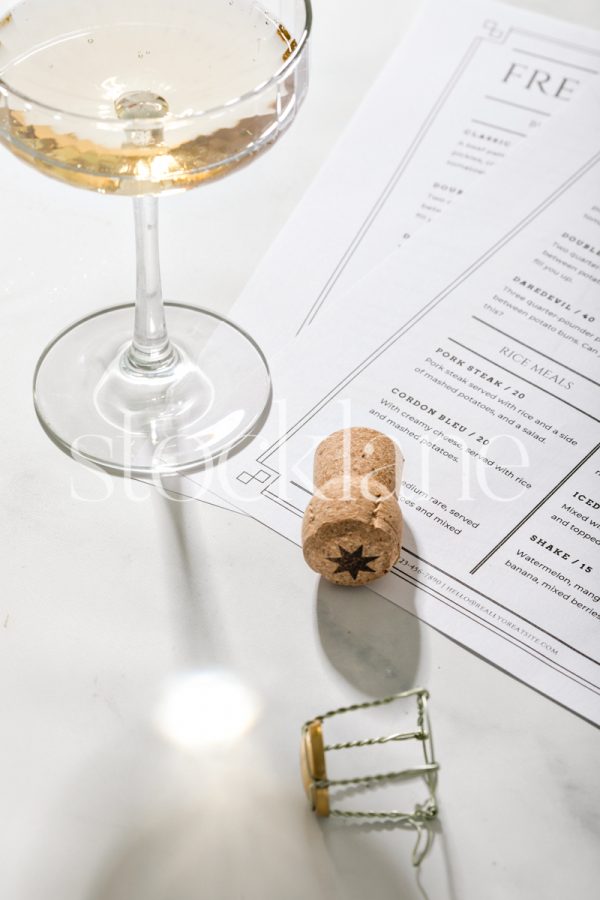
107	589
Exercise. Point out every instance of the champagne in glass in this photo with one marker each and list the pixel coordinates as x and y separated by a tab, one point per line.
137	98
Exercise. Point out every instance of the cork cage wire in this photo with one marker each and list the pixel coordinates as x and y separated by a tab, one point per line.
317	783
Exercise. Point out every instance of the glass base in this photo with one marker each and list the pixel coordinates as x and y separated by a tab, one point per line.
133	422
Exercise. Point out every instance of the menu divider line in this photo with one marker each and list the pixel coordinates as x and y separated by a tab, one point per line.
534	350
469	614
535	509
498	127
526	380
389	187
507	609
537	112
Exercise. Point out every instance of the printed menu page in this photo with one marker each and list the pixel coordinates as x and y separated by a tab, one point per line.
479	352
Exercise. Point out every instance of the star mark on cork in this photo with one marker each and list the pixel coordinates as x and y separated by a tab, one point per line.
352	562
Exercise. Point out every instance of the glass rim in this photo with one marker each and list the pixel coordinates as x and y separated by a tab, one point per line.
167	122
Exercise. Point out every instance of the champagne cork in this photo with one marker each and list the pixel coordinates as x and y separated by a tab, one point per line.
352	530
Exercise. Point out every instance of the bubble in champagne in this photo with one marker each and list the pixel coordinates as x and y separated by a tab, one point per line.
141	105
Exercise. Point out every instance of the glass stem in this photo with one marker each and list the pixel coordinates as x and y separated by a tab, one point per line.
150	350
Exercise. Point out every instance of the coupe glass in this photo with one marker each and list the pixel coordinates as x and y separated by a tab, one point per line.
139	98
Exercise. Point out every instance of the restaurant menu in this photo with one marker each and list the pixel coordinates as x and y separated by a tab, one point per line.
478	351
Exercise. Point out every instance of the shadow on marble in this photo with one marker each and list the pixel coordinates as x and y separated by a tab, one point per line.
347	840
175	861
143	821
190	603
373	643
375	646
447	865
350	844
